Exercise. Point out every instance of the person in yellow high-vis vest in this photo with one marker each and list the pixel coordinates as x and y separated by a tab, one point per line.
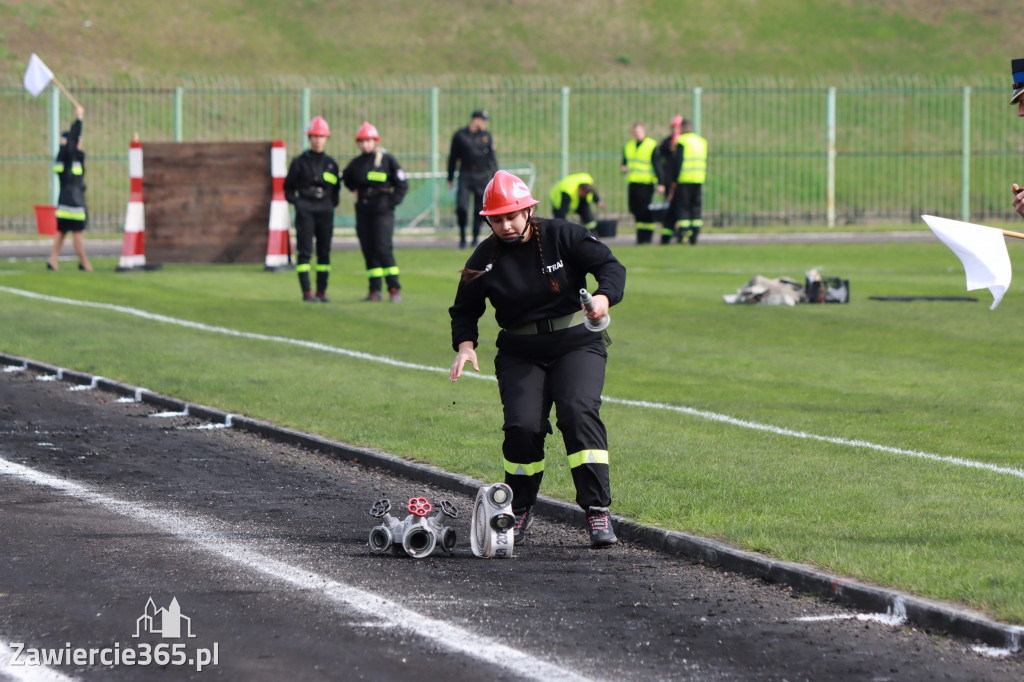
575	193
638	159
689	169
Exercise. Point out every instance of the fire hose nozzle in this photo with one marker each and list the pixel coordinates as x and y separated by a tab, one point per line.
593	325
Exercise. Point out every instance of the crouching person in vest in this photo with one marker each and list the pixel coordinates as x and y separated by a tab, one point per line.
576	194
379	184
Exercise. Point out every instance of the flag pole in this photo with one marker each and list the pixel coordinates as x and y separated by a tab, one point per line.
75	101
1017	235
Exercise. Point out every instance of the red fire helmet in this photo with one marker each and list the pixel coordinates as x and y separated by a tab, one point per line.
367	132
506	193
318	126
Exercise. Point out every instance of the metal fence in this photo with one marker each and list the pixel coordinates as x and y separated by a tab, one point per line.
851	152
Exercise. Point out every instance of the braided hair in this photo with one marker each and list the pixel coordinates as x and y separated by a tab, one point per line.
468	274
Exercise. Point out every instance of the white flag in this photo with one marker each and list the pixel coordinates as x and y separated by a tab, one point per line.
37	75
981	249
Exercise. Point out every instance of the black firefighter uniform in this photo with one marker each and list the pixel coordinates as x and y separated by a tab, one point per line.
70	169
313	187
380	185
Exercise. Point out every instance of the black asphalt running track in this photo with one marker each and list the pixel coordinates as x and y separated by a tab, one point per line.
105	505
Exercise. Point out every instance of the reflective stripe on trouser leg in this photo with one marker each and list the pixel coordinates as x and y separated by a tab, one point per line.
576	380
375	230
525	403
322	273
375	275
692	199
303	271
306	226
573	383
524	478
391	278
589	470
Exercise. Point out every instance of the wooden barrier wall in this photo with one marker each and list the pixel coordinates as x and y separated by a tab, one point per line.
206	202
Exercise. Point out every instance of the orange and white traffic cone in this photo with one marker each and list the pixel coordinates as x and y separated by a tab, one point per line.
278	239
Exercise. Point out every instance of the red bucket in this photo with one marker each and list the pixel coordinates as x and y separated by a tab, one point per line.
46	219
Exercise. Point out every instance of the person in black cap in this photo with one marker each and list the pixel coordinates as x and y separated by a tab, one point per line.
1017	68
472	151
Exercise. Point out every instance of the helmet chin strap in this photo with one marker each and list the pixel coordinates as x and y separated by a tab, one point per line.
522	235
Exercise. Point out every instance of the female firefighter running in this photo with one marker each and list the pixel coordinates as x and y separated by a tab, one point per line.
532	270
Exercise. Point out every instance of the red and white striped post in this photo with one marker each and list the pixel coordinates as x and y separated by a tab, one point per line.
133	250
278	251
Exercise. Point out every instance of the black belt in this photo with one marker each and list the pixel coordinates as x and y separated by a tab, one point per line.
551	324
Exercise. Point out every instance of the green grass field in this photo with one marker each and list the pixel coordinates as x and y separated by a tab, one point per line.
726	37
934	379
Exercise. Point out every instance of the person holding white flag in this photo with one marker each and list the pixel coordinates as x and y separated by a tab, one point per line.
71	211
982	250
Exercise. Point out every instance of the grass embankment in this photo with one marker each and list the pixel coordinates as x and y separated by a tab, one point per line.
938	378
788	38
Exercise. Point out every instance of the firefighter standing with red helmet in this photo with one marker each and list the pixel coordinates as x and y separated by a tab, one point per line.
379	184
312	186
532	269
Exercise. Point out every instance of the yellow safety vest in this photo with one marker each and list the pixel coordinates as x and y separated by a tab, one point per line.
570	185
639	167
695	159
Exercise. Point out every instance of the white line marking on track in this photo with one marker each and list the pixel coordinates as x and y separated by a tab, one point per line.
991	651
702	414
348	598
183	413
35	673
882	618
